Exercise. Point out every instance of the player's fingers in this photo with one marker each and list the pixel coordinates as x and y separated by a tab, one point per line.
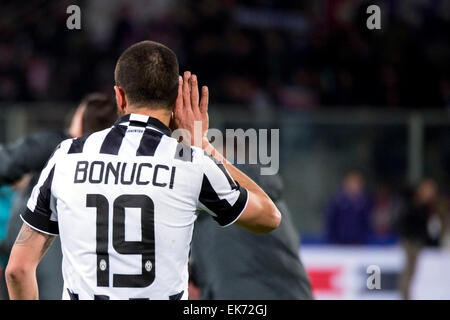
179	101
186	90
205	100
194	92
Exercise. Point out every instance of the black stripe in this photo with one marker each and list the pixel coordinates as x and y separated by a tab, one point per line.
124	118
43	200
176	296
146	247
73	296
40	221
101	203
78	144
149	142
40	218
53	153
225	212
113	140
183	152
138	123
172	177
159	125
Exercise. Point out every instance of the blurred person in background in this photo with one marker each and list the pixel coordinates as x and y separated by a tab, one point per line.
25	159
444	213
234	264
419	226
387	205
7	196
6	199
348	215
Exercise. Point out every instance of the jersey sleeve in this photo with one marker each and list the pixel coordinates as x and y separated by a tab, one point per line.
40	213
220	195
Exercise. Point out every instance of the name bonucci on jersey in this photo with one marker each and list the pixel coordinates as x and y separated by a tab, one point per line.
124	201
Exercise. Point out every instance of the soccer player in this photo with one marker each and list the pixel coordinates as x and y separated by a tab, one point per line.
124	200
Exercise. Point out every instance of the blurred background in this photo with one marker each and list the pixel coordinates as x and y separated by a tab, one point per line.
364	115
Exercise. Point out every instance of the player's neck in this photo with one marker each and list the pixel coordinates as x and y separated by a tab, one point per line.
162	115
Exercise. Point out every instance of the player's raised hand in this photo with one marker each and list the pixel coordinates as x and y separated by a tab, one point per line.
191	109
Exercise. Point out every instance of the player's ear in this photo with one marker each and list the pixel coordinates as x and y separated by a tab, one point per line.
120	99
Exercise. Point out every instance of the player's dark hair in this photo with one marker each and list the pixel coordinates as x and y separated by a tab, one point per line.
100	112
148	73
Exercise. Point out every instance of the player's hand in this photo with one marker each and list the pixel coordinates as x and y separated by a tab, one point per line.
191	110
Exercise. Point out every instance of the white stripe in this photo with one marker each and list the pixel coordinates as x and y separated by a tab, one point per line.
32	201
94	142
127	123
139	117
131	141
166	148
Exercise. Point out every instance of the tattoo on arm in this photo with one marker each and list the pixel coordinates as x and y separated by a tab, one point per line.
47	244
27	234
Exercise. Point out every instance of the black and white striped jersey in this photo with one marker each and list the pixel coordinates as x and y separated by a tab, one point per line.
124	201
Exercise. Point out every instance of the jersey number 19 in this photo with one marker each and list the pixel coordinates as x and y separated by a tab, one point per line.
145	247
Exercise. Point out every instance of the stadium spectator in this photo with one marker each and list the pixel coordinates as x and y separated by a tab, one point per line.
29	155
6	198
386	206
348	214
418	226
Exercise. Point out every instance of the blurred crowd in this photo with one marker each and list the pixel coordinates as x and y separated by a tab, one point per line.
355	215
292	54
415	219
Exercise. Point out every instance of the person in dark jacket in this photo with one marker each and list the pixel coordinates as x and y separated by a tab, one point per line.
348	215
413	227
27	157
231	263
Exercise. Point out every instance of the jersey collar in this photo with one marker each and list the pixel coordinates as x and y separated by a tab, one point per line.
142	120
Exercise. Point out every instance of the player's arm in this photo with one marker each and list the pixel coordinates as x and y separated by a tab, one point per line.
37	234
28	250
260	214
